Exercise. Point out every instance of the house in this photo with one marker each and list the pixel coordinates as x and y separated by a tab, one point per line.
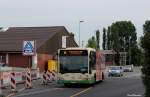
47	39
109	57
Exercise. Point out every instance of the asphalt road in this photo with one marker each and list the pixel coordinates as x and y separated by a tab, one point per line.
130	85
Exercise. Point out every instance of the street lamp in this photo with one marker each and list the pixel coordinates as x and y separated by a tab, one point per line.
129	51
79	31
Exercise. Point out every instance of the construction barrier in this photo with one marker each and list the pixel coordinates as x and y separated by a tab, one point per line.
13	82
53	75
44	79
52	70
48	73
49	76
20	75
5	78
35	74
28	83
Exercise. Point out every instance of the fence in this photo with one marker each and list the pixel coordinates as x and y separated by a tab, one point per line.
19	75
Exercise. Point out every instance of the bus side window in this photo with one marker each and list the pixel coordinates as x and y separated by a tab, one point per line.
92	60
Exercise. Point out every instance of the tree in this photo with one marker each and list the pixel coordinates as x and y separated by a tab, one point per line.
92	43
97	39
138	59
108	44
146	67
104	39
123	36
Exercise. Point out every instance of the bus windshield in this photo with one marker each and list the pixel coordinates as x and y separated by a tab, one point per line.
73	64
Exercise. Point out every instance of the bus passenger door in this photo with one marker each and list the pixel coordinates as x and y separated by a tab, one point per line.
98	63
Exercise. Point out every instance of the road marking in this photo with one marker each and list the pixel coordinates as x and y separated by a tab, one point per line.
21	89
36	92
12	94
83	91
133	75
134	95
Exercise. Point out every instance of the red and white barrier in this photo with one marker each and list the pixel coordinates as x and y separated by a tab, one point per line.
12	82
49	78
12	76
28	83
44	82
53	75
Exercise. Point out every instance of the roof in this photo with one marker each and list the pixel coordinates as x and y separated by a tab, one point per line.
78	48
10	38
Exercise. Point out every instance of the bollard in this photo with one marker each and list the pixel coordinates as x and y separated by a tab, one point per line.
13	82
28	83
44	82
53	75
48	73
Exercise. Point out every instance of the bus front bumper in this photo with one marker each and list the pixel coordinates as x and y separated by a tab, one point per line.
75	81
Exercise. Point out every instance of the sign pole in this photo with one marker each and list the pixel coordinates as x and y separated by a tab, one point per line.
29	50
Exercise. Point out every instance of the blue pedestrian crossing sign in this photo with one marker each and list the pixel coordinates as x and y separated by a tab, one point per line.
28	48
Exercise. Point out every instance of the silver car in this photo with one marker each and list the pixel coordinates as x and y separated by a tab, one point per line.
115	71
128	68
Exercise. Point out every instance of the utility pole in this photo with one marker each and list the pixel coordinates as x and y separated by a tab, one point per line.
129	51
79	31
82	43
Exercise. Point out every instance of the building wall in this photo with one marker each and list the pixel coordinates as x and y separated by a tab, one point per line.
18	60
42	59
109	59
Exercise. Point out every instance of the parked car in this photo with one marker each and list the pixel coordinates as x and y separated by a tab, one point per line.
115	71
128	68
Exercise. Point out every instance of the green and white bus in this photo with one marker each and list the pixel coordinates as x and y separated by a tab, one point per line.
80	65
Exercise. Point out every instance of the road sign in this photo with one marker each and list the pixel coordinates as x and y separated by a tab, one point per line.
28	48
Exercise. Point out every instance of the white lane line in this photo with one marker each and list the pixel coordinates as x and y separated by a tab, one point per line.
12	94
21	90
134	95
36	92
133	75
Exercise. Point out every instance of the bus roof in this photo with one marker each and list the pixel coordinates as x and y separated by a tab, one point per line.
78	48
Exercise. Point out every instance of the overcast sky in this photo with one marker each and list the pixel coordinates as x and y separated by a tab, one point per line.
95	13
